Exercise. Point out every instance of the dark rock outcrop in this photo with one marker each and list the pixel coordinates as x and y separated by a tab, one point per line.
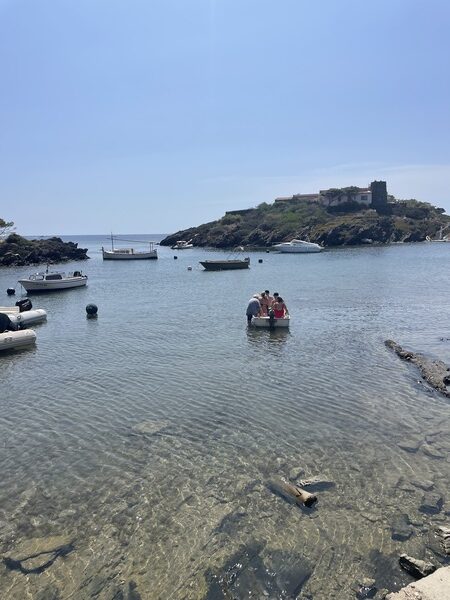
435	372
16	250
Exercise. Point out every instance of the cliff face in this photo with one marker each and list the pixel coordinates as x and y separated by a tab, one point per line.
409	221
16	250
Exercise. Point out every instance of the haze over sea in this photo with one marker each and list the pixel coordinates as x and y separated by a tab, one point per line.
178	507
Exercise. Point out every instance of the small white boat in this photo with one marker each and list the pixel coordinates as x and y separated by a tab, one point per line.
271	323
53	280
298	246
129	253
444	239
14	340
182	245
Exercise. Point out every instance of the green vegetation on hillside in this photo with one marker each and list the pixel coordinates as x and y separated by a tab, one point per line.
349	224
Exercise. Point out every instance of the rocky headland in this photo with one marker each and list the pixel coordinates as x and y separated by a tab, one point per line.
348	224
16	250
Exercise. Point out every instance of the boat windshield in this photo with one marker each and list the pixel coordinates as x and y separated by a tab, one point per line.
53	276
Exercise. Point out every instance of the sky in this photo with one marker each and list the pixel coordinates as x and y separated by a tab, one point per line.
156	115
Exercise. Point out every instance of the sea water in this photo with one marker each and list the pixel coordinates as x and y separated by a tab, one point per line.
149	435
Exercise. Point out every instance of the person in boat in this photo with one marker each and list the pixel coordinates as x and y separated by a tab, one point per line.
253	308
279	308
275	298
265	303
269	297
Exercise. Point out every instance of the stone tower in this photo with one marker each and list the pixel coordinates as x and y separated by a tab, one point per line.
379	196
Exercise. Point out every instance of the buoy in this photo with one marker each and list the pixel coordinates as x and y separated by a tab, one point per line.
267	251
260	260
189	268
10	291
175	257
91	310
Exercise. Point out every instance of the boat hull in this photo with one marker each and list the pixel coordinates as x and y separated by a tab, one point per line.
14	340
224	265
298	250
107	255
265	322
52	285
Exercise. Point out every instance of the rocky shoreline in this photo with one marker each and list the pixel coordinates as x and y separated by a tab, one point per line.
269	224
18	251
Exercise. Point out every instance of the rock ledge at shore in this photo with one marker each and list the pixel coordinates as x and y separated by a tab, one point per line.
16	250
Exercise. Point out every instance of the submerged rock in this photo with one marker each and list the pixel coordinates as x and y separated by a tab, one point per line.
431	504
150	427
37	554
416	567
254	572
400	528
435	372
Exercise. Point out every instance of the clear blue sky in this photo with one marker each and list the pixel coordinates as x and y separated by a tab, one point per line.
154	115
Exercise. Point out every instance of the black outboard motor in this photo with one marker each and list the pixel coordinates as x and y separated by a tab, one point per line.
6	324
24	305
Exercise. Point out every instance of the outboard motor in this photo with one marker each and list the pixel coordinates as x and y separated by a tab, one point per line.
271	319
6	324
24	305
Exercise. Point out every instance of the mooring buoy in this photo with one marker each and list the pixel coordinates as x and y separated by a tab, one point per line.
91	310
10	291
175	257
260	260
189	268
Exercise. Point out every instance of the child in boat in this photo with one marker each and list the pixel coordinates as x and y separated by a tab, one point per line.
279	308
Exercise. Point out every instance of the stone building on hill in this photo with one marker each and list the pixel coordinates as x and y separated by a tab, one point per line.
375	196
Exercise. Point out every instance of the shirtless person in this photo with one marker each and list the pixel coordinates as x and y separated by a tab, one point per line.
265	303
269	297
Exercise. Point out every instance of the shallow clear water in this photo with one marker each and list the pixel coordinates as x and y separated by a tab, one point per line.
184	510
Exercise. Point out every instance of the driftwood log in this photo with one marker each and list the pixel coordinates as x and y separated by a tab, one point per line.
435	372
292	492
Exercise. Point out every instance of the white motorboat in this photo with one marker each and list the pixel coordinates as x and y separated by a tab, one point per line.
270	323
53	280
298	246
182	245
14	340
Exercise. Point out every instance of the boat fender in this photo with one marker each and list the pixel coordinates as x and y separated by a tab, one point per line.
10	291
24	305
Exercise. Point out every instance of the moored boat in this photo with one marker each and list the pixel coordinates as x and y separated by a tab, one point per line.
225	265
182	245
53	280
298	247
14	340
129	253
